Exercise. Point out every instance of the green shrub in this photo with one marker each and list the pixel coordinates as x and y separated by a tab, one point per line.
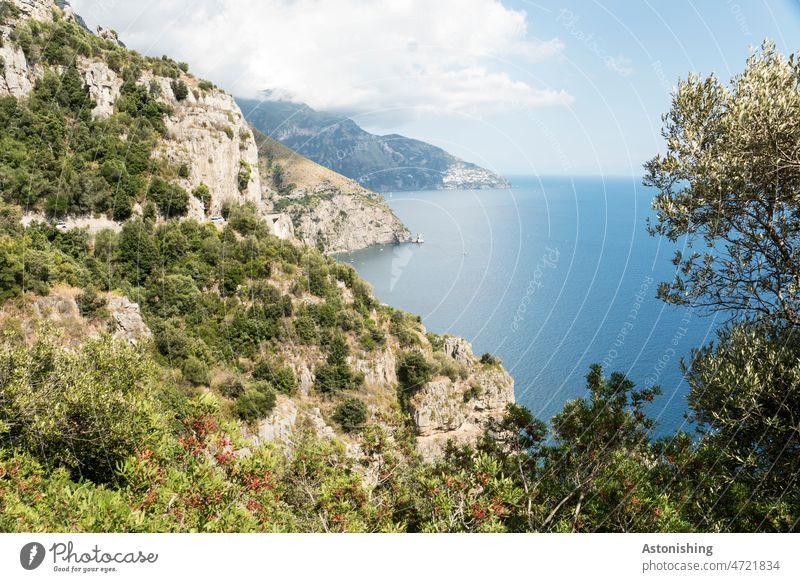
488	359
91	303
282	378
245	170
84	409
257	401
351	415
180	90
231	388
171	199
414	371
472	392
195	370
330	378
203	193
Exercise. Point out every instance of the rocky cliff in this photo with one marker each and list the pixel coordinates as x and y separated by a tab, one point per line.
206	135
327	210
460	409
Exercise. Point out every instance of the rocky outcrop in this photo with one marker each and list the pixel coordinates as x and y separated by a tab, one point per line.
459	349
109	35
41	10
208	134
127	322
285	419
103	84
280	423
206	131
56	307
281	225
341	222
327	210
121	316
380	369
445	410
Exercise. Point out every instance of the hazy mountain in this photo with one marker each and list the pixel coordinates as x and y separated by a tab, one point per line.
379	162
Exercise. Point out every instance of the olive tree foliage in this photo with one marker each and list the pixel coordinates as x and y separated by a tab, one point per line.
729	183
745	399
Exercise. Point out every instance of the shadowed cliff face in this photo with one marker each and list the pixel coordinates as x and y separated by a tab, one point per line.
378	162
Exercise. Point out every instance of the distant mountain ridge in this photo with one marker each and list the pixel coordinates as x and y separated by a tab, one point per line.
378	162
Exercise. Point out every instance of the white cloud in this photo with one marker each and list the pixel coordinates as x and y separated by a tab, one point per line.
401	57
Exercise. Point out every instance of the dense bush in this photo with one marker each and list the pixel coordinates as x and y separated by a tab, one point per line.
282	378
231	388
413	371
351	415
85	410
488	359
171	199
257	401
91	303
180	90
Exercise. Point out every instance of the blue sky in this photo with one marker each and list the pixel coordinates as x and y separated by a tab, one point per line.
619	62
569	87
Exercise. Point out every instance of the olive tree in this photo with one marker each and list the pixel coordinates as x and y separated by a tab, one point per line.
729	183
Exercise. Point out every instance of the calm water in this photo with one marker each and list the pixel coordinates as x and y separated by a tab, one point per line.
552	275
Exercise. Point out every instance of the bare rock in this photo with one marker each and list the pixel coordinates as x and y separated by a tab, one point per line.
460	411
103	83
381	369
281	226
345	221
109	35
59	307
127	320
41	10
459	349
208	133
280	423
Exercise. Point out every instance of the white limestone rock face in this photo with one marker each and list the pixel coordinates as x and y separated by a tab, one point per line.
58	307
380	369
103	83
280	423
281	226
127	319
41	10
460	411
343	222
16	76
207	132
459	349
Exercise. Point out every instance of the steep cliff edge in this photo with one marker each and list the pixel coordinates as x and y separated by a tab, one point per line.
328	210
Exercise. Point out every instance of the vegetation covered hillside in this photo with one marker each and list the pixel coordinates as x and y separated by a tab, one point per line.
174	374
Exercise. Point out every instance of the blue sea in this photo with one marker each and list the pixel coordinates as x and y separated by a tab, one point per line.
551	276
